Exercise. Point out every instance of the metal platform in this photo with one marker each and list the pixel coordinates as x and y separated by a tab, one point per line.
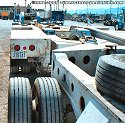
110	35
76	77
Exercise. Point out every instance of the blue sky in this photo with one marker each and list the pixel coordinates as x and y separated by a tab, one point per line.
68	7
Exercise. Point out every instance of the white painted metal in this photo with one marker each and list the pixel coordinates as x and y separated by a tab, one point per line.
110	35
26	32
91	50
62	43
76	79
77	84
24	36
57	42
82	50
42	48
92	114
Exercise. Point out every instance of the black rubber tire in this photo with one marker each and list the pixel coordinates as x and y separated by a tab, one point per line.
113	63
108	92
110	80
112	87
50	106
19	101
110	76
14	69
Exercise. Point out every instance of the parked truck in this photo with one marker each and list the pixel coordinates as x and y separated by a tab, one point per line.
57	17
109	20
120	22
4	15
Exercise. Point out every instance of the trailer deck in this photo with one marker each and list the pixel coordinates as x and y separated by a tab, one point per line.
110	35
77	79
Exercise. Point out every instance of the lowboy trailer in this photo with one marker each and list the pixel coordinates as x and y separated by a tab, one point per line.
80	87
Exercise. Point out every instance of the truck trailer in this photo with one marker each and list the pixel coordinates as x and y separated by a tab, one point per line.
84	85
58	17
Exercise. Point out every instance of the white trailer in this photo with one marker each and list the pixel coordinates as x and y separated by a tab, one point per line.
28	45
92	85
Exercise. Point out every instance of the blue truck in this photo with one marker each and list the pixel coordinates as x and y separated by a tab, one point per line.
57	17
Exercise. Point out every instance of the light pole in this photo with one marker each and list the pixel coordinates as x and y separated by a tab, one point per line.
45	5
110	6
45	10
118	10
87	10
14	12
25	3
58	4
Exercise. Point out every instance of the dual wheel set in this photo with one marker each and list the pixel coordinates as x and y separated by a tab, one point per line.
46	94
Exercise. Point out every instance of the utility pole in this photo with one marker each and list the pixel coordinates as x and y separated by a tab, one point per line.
110	6
25	3
54	6
50	13
14	12
87	10
45	10
45	5
118	10
58	4
63	7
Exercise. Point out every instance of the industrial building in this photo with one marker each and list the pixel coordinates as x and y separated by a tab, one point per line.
7	12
